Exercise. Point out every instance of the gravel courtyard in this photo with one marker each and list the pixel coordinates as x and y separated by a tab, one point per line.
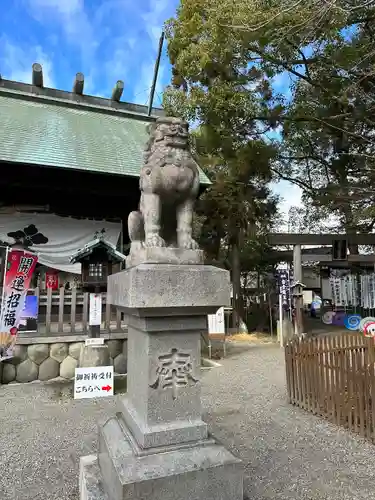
288	454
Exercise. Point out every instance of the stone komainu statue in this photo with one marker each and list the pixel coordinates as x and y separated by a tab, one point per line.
169	184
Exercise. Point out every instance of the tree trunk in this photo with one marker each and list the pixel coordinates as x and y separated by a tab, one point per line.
236	281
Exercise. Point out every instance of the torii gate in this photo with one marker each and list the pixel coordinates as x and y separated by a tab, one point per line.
340	244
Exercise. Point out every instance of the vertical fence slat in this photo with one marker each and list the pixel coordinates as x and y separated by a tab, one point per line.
316	375
292	352
301	388
325	403
372	390
85	312
351	383
37	293
339	378
118	320
323	380
73	310
294	373
319	376
305	369
346	412
355	388
332	378
48	310
297	372
343	375
61	309
108	316
310	375
288	372
361	391
366	392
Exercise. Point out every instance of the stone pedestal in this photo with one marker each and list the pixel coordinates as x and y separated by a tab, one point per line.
157	445
94	355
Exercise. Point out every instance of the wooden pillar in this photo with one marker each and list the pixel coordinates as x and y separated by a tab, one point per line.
298	290
297	263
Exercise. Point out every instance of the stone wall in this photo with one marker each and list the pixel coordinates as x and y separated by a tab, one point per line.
46	361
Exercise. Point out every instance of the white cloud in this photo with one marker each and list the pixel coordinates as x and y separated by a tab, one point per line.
74	21
153	20
16	63
155	17
141	93
66	7
290	194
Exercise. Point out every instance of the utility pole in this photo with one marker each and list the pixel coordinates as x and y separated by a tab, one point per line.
156	72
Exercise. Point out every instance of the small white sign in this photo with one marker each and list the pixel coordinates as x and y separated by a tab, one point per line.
95	341
95	309
216	322
307	296
93	382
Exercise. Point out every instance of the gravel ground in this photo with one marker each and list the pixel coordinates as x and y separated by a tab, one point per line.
288	454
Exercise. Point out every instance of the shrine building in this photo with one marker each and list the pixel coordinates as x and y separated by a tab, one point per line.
70	167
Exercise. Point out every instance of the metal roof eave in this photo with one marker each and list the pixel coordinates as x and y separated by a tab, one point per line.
90	247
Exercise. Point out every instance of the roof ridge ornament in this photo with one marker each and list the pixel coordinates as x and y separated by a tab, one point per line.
100	235
79	83
37	75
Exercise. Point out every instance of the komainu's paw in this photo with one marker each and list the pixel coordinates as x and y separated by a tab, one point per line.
187	242
154	240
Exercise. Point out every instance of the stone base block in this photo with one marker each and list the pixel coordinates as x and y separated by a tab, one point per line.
168	290
90	483
164	256
200	471
94	355
162	433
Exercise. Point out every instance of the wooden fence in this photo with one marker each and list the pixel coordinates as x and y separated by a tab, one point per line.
66	312
334	377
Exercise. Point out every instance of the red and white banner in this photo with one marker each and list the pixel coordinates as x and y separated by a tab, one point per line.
52	281
17	279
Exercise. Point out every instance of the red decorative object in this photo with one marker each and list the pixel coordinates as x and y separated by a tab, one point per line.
52	281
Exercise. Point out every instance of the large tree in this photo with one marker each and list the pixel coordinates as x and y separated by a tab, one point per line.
228	142
226	58
331	156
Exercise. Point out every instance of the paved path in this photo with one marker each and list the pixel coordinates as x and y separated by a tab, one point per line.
288	453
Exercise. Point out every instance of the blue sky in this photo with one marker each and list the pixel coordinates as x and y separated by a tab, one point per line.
106	40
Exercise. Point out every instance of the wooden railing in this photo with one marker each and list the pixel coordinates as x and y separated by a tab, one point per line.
334	377
67	312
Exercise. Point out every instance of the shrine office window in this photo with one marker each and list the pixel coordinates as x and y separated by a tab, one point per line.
96	270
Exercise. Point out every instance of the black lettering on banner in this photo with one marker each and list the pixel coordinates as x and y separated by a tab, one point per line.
10	318
18	284
25	265
13	300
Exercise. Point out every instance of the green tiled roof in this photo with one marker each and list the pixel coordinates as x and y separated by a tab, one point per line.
66	137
